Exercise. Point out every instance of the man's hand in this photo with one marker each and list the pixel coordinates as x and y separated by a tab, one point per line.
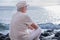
34	26
30	27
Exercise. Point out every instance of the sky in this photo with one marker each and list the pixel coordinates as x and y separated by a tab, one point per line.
31	2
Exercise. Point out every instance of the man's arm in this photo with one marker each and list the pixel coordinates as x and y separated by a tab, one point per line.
35	34
31	24
35	26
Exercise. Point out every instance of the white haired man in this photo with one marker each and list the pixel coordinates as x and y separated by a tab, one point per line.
22	27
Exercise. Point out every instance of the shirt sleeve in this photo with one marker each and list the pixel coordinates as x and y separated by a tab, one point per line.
28	20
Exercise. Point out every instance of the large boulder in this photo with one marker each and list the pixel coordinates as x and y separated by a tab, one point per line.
7	38
57	34
7	35
2	37
45	34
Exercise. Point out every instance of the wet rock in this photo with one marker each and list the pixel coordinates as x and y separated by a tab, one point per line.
7	35
55	38
58	38
45	34
2	37
49	30
57	34
1	34
7	38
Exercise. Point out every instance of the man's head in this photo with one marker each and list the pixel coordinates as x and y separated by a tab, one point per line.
22	6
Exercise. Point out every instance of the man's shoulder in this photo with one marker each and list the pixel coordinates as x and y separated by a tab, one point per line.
20	15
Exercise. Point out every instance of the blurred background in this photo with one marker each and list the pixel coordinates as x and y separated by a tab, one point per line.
46	13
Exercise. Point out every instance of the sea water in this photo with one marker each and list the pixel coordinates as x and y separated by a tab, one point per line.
37	14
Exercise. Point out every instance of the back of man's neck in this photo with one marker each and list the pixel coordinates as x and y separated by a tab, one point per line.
21	12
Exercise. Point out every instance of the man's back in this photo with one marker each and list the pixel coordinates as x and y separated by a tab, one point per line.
18	26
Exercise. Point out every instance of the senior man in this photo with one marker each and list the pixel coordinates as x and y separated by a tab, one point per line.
22	27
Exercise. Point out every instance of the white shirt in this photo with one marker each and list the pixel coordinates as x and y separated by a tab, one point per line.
18	27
